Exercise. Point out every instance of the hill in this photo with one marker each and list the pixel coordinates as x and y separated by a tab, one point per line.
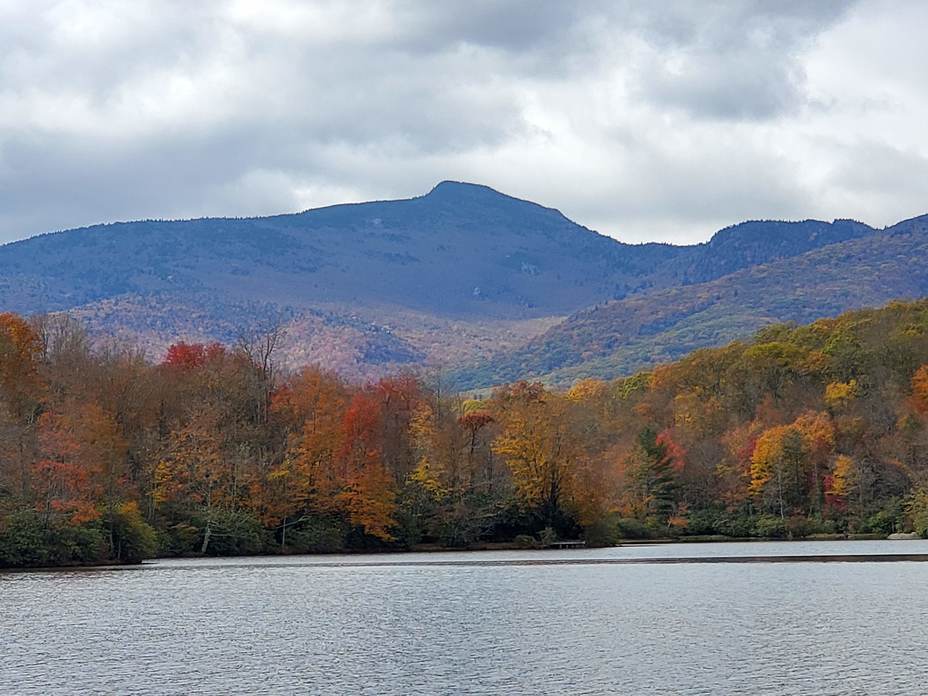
626	335
453	276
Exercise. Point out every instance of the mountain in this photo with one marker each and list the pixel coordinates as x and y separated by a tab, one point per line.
622	336
759	241
453	276
461	250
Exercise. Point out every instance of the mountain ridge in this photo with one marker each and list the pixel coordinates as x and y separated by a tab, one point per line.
634	333
454	275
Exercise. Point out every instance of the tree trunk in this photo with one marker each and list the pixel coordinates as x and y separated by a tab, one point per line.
780	493
206	534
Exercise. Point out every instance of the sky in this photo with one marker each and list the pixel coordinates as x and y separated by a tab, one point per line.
645	121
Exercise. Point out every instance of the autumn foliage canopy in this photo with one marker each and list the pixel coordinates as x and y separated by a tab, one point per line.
214	449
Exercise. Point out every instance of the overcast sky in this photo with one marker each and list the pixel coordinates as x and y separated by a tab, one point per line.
642	120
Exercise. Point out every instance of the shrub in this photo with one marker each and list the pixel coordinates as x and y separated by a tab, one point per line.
547	537
179	539
799	527
603	532
633	529
22	540
891	516
81	545
317	535
736	525
28	540
770	526
133	538
917	509
232	533
703	522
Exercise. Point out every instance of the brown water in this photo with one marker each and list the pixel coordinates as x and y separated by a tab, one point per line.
327	625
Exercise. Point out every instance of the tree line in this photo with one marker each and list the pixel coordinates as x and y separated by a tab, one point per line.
108	456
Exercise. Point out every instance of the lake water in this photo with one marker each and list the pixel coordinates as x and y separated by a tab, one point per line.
411	624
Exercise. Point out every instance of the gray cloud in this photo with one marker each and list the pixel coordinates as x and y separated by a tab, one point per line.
733	60
644	120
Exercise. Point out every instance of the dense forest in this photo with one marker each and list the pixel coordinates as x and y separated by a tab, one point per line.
106	456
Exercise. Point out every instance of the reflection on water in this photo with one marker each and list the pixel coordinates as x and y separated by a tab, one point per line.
290	625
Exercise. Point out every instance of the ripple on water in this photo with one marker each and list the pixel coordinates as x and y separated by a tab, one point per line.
253	626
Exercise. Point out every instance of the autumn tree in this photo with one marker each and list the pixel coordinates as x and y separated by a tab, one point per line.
368	488
536	443
310	408
21	392
789	463
657	462
194	471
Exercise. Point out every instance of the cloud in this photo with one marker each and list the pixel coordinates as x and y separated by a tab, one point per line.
732	61
645	121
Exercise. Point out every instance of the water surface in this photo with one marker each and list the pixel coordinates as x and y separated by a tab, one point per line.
326	625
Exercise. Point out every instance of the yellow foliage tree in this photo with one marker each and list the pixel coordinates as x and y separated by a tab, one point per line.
788	458
537	446
839	394
370	500
587	390
842	477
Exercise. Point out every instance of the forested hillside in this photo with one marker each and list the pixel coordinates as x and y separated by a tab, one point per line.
450	277
622	336
107	456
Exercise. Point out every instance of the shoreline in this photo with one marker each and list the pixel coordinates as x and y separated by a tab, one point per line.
508	546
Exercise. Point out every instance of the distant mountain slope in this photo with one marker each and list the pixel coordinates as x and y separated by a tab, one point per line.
460	250
751	243
622	336
453	275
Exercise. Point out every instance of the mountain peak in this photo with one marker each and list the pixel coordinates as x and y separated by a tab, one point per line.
463	189
481	199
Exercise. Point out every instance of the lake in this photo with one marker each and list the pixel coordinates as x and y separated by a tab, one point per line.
476	623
